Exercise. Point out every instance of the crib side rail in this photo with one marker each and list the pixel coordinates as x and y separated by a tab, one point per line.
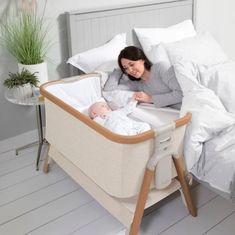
67	80
183	120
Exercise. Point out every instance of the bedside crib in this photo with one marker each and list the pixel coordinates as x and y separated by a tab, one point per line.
118	171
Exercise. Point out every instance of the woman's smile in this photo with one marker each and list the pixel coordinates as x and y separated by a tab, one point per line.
134	73
135	68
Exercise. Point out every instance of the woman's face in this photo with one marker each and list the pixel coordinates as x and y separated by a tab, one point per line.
135	68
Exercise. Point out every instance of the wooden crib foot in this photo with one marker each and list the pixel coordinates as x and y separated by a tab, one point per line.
46	162
179	165
46	168
139	210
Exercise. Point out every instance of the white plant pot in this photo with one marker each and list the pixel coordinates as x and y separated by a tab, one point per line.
39	69
23	92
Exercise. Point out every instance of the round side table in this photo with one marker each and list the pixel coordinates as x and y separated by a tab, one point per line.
37	102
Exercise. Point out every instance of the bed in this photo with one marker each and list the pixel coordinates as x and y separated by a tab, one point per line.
123	173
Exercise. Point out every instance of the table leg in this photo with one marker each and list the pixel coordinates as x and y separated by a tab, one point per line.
25	147
40	134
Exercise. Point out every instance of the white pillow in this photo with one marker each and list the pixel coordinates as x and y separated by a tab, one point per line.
153	36
100	58
158	54
108	66
201	49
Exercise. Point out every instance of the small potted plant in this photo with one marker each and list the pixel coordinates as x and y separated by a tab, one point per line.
21	83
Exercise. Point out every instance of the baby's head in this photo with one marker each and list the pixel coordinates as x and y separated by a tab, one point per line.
98	109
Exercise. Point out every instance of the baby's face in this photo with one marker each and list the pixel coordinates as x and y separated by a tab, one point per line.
100	109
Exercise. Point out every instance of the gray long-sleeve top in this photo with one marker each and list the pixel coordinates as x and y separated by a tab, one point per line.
162	85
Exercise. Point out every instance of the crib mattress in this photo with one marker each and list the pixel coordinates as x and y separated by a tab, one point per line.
115	163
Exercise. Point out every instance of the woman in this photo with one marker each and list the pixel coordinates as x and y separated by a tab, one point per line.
153	83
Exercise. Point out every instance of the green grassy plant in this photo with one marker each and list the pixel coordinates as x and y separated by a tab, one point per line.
24	36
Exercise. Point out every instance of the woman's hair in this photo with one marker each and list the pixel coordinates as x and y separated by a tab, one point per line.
133	53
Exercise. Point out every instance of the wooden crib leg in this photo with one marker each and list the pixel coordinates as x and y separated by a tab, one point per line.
179	165
46	161
139	210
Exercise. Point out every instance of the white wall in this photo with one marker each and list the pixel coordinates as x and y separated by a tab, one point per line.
212	15
217	16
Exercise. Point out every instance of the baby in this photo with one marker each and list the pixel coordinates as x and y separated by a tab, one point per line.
117	120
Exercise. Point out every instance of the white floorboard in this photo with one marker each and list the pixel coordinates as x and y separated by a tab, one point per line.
31	185
104	226
35	200
78	218
19	162
225	227
7	156
48	212
35	203
20	175
173	212
18	141
210	214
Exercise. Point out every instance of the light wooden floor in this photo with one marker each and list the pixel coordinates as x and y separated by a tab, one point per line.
34	203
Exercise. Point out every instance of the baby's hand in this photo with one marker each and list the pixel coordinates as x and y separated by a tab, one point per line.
135	96
142	96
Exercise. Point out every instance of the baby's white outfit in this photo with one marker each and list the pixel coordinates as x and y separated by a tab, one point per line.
118	122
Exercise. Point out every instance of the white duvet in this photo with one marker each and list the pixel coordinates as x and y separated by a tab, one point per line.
209	93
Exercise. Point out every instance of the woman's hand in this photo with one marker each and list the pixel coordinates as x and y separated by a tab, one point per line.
142	97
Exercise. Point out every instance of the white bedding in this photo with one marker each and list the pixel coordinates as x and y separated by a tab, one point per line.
209	140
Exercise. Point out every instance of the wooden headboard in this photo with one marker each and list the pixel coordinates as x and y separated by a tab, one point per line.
88	29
